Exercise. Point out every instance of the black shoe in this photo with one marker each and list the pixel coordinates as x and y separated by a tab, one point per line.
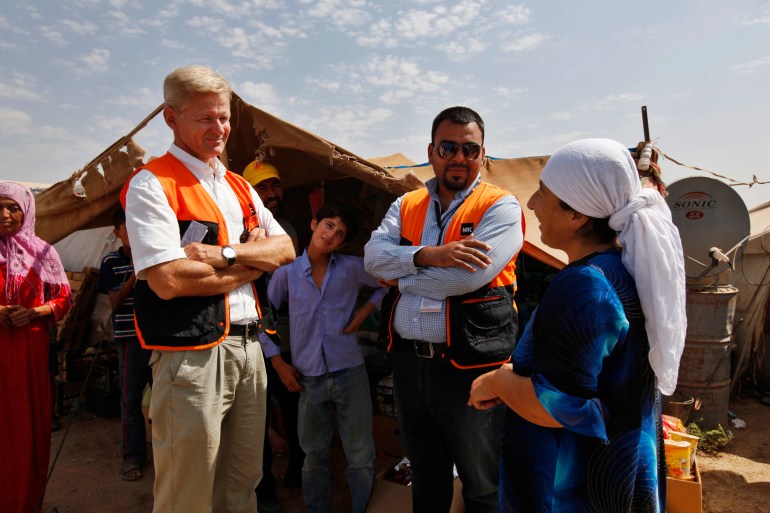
269	505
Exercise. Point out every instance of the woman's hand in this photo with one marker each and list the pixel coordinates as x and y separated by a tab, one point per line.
23	316
5	315
484	391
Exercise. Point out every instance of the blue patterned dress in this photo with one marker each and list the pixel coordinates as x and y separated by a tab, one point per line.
585	349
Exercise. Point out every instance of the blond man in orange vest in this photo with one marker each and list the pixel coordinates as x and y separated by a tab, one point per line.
201	241
448	251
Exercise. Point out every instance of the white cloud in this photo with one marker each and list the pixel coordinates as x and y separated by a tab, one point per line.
403	74
172	43
525	43
342	13
609	101
763	19
14	121
33	12
327	85
21	86
261	95
415	23
396	96
11	27
143	97
80	27
206	23
515	14
53	35
510	92
116	125
118	23
406	27
349	125
248	44
751	66
463	50
53	152
236	9
562	116
379	35
96	61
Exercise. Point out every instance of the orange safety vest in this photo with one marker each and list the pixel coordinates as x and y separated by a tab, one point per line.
481	326
192	322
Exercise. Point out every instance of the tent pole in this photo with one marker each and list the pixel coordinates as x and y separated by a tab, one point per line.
120	142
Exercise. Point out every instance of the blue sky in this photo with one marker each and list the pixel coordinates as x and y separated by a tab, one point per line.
75	75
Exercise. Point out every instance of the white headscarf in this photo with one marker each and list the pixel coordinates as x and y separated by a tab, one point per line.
598	178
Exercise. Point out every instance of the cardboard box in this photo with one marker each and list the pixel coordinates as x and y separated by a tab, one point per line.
684	496
390	497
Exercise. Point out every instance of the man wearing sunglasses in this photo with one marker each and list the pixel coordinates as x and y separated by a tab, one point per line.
448	250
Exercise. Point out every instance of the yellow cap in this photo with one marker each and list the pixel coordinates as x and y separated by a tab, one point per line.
259	171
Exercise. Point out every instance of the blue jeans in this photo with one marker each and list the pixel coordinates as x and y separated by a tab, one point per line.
346	392
439	429
134	374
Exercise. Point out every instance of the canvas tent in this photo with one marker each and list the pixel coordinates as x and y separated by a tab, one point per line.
751	328
87	199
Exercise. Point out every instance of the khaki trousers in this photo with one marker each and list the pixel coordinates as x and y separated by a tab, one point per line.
208	425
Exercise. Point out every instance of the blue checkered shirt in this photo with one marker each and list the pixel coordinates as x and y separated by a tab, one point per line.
500	228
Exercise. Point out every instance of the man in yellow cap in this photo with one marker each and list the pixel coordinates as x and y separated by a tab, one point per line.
265	179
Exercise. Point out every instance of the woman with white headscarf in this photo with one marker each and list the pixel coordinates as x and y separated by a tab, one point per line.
583	429
34	292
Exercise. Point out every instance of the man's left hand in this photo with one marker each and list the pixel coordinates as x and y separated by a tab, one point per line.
256	235
206	253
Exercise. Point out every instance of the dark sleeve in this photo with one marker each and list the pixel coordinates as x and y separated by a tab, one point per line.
107	280
578	324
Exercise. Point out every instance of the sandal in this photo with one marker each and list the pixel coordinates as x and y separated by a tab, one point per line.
131	471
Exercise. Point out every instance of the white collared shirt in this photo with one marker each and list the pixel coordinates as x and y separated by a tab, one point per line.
153	228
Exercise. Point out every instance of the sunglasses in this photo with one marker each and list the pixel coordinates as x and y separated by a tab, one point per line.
448	149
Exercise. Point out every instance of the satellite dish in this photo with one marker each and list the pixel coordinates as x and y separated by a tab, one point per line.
713	222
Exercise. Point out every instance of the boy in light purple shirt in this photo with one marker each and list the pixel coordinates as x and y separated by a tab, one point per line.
321	288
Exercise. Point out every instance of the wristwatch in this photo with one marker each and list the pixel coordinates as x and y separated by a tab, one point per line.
228	252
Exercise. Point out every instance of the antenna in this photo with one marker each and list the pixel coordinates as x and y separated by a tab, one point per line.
713	223
645	124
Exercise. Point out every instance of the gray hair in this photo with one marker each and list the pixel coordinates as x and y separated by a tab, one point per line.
182	82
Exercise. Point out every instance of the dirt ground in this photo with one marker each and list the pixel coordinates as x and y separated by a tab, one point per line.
86	477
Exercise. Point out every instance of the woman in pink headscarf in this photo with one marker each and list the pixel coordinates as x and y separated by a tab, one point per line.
34	292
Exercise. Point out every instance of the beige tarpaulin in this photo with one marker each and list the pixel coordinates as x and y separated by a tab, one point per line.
751	328
88	198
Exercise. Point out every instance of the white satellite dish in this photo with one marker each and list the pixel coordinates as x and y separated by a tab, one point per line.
713	222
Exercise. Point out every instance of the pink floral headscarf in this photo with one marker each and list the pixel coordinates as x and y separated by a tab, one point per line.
24	250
